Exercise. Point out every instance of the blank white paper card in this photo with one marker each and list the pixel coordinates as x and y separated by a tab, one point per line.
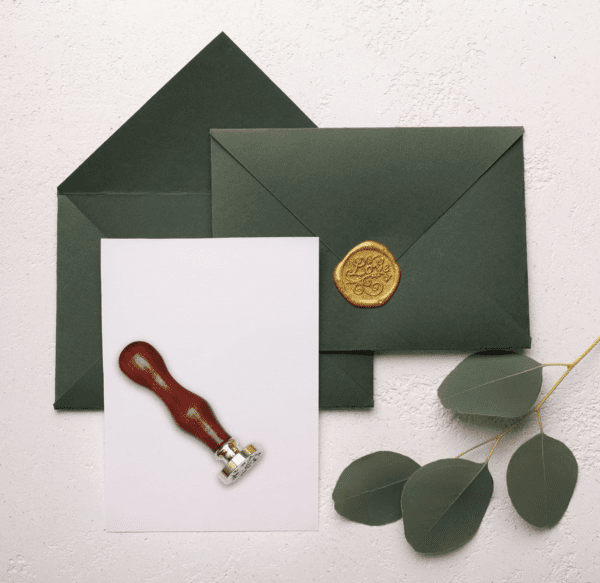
236	321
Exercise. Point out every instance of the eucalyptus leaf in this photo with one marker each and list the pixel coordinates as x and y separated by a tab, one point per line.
541	478
495	385
443	504
369	489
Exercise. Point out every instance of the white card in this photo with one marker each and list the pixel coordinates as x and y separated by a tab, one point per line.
236	321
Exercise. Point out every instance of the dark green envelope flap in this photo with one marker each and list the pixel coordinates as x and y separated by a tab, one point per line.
147	216
348	378
464	288
78	317
343	183
487	227
241	199
79	396
464	282
164	147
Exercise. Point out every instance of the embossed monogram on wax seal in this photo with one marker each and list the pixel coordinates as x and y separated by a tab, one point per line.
368	276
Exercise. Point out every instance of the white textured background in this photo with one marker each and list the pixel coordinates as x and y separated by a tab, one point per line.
73	71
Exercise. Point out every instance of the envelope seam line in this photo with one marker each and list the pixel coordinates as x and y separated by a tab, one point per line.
77	379
357	389
509	316
501	309
86	217
140	193
271	193
459	198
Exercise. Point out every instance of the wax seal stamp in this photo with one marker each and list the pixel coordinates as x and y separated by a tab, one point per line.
368	276
142	363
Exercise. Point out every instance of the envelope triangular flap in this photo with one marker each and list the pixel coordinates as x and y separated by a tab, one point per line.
238	194
78	317
164	147
482	240
407	177
348	378
464	282
147	216
79	396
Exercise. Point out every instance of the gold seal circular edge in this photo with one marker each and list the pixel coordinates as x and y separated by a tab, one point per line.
375	246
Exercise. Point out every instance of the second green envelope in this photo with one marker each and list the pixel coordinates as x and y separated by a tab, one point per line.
447	202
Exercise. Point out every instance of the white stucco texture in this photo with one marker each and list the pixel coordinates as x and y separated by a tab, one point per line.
72	71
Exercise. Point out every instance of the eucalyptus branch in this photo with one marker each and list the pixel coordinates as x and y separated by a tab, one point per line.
570	367
476	446
494	447
539	405
385	486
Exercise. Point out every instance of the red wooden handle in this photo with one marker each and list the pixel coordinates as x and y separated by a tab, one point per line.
142	363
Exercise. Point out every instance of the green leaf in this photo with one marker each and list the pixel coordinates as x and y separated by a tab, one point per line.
493	385
443	504
369	489
541	478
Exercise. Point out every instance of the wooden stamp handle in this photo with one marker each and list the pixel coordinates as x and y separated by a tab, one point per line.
142	363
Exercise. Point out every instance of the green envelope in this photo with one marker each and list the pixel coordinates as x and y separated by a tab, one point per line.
447	202
151	179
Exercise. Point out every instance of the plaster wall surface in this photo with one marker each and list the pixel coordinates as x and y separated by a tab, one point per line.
73	71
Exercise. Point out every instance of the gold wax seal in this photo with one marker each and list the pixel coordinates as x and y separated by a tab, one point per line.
368	276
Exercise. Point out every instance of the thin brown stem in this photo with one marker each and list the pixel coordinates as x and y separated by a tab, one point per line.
560	380
493	448
586	352
476	446
570	367
496	437
538	406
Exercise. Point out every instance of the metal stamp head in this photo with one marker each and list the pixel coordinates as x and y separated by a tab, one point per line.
237	462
